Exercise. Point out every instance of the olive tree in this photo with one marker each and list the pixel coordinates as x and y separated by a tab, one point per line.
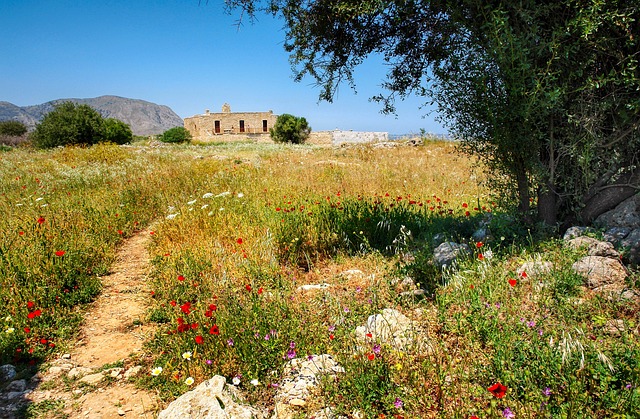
72	124
545	93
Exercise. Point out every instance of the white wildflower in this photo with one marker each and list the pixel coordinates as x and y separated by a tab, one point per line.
236	381
156	371
255	382
227	193
192	202
172	216
207	195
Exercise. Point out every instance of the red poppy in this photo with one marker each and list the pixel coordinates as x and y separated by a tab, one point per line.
480	256
465	205
34	314
247	287
473	417
27	330
512	282
523	274
44	341
371	357
471	286
173	303
369	335
331	337
479	245
466	213
180	278
239	241
214	330
21	233
498	390
208	313
260	290
60	253
213	307
186	308
199	340
41	220
120	232
30	305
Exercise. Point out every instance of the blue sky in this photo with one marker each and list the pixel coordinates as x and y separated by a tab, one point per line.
178	53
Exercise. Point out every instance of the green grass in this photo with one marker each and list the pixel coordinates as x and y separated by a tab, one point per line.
239	227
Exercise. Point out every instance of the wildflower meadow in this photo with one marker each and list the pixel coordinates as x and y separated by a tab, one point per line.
239	228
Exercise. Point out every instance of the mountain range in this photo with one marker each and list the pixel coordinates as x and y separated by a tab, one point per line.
144	118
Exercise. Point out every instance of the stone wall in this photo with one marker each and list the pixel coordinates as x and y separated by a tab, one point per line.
356	137
338	137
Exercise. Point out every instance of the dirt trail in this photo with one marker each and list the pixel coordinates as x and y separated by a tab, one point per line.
113	333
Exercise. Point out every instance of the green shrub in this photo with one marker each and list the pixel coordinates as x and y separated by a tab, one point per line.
69	124
12	128
116	131
175	135
290	129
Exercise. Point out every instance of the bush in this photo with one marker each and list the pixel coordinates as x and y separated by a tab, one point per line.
290	129
12	128
69	124
116	131
175	135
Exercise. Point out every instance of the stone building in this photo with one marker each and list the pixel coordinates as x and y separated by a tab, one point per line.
209	125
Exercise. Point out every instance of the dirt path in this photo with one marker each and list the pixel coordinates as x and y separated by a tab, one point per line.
110	345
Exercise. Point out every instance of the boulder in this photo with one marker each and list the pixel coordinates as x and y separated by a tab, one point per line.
576	231
594	247
209	400
447	253
299	386
534	269
626	214
7	372
631	246
390	327
601	273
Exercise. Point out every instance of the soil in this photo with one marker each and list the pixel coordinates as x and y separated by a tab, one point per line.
112	336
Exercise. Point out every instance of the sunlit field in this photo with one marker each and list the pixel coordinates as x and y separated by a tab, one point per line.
238	228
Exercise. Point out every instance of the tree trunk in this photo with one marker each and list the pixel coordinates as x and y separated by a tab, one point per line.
547	205
524	206
609	196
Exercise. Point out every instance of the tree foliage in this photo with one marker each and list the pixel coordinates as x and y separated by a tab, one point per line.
72	124
175	135
546	93
12	128
290	129
116	131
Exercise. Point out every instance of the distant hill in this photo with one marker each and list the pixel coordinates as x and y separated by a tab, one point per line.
144	118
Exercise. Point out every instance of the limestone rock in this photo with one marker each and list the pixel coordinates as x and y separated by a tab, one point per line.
391	327
209	400
7	372
313	287
92	379
300	383
534	269
601	272
576	231
616	234
631	246
594	247
17	386
626	214
447	253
